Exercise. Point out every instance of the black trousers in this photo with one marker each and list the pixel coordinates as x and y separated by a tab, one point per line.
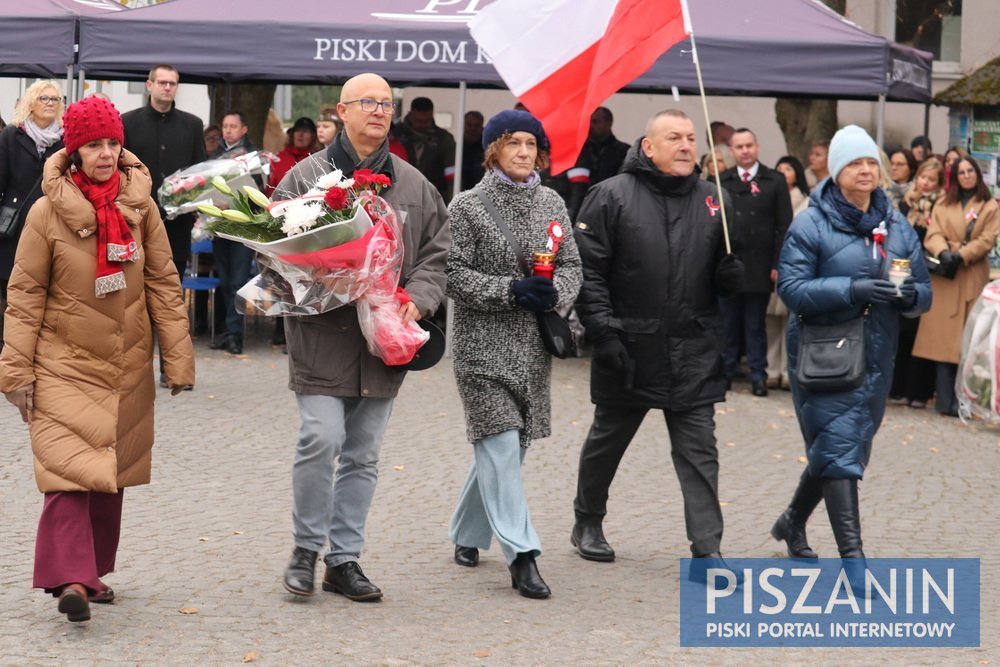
694	454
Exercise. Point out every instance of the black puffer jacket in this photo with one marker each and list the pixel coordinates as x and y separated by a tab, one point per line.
650	245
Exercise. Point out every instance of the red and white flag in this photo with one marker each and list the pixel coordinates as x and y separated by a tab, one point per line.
564	58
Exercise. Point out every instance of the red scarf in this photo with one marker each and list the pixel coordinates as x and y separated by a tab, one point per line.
114	240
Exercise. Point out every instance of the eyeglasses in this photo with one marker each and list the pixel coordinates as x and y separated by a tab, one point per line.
48	99
369	105
167	84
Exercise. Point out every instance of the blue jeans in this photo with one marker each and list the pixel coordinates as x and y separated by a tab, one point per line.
492	501
328	506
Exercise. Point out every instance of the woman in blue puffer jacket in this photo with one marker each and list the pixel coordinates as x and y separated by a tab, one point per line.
834	265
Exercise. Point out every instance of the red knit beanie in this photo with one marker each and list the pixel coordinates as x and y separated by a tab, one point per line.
90	119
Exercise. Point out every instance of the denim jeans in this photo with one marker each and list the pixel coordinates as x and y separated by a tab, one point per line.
328	505
492	501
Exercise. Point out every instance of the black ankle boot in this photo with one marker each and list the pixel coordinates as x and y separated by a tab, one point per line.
525	578
301	572
588	538
841	497
791	525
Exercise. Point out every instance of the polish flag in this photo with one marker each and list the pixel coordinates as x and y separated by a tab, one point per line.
564	58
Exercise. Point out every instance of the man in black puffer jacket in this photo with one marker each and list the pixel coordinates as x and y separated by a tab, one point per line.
654	267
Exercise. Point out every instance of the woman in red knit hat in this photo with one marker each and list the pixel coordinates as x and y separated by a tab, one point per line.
93	275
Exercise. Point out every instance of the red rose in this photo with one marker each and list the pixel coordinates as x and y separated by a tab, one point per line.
381	180
363	177
335	199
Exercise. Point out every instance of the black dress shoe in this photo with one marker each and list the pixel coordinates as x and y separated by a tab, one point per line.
348	580
301	572
759	388
701	564
219	343
234	346
467	556
525	578
588	538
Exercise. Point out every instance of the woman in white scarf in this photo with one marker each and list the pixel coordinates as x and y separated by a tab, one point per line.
34	133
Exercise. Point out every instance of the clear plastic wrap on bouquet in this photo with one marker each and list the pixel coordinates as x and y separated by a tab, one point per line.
979	367
185	189
388	337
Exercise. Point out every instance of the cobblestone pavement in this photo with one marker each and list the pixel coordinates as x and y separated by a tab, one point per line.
204	545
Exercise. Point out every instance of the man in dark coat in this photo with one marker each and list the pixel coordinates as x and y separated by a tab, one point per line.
166	139
232	259
762	211
654	266
431	148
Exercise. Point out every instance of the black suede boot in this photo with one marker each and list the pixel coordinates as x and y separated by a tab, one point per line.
791	525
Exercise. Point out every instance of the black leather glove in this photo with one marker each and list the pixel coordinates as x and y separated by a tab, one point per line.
536	293
909	291
873	290
729	275
610	352
950	260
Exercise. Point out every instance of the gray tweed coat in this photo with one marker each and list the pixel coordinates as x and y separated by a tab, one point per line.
501	366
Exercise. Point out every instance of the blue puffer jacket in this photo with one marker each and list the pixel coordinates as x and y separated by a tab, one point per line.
821	257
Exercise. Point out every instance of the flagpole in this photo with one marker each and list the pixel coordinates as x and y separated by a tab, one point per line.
708	124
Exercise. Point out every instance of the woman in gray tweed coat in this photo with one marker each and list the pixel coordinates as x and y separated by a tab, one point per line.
501	367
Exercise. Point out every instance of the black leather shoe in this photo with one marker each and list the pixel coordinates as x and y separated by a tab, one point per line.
234	346
219	343
588	538
701	564
759	388
348	580
525	578
301	572
467	556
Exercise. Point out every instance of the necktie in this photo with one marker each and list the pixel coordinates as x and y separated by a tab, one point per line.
746	176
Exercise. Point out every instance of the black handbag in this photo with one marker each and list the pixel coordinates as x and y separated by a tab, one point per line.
10	216
553	327
832	356
949	269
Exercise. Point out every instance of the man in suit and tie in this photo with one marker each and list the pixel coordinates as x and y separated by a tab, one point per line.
762	212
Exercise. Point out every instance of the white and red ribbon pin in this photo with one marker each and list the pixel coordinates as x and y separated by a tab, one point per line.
556	236
712	206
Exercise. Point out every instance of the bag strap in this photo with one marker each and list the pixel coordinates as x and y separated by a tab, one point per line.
522	261
968	230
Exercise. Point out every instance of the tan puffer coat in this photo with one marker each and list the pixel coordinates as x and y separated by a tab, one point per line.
91	359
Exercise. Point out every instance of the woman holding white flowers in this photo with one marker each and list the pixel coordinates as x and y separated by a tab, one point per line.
501	365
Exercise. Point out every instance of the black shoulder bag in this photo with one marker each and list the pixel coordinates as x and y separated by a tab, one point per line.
832	356
553	327
10	216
